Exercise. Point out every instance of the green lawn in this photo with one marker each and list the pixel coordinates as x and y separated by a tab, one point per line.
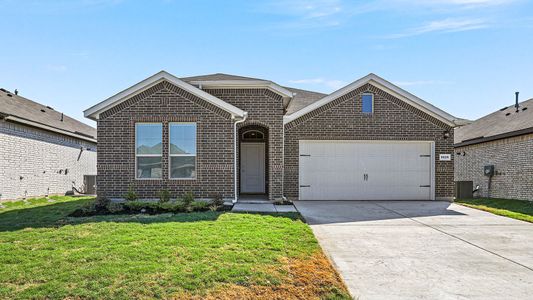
516	209
46	255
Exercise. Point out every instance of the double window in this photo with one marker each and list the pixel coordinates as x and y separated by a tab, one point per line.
149	150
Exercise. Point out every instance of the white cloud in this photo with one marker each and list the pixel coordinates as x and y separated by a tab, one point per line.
329	83
56	68
307	14
445	25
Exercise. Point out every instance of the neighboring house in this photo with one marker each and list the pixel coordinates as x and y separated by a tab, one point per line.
503	139
238	136
42	151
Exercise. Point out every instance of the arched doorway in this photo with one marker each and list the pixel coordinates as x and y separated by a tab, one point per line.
253	160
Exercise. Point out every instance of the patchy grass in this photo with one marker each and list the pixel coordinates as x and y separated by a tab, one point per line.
46	255
516	209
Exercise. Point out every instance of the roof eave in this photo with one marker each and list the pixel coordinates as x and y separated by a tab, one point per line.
48	128
93	112
384	85
236	84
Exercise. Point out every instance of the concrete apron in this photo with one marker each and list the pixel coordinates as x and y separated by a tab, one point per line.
423	250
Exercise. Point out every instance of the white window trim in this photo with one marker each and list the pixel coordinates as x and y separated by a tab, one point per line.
148	155
367	94
182	155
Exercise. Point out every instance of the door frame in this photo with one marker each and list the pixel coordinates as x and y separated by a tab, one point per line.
432	158
263	150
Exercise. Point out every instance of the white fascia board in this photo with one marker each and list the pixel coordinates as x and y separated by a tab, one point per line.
236	84
50	128
387	87
94	112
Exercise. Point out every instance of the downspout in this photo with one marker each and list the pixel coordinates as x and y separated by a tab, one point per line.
235	154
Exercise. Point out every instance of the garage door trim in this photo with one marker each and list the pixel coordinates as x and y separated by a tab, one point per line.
432	158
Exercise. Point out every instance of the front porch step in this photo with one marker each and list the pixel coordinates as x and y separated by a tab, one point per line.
252	201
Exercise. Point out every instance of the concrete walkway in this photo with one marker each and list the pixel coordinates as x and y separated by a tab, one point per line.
262	207
424	249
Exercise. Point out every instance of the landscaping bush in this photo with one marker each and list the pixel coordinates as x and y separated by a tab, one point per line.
131	195
187	199
164	196
114	207
142	207
174	207
218	200
146	207
199	206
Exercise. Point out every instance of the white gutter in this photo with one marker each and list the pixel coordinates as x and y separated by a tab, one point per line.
235	188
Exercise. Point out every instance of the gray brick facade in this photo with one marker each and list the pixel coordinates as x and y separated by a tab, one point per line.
265	109
392	119
513	163
35	162
165	103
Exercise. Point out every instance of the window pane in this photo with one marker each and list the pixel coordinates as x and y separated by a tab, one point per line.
149	167
182	138
183	167
367	103
148	138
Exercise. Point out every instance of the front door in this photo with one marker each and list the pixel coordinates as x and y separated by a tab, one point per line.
253	168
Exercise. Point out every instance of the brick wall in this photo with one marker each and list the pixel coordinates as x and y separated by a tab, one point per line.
165	103
33	162
265	109
392	119
513	163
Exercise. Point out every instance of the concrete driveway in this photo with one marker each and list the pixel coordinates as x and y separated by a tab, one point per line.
423	249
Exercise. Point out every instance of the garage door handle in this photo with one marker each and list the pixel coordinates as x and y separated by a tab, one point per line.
305	186
305	154
425	155
425	186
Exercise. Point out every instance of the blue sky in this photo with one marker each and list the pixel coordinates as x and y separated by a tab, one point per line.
467	57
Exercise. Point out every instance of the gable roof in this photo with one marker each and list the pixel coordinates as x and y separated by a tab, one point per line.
217	76
301	99
94	111
22	110
387	87
234	81
503	123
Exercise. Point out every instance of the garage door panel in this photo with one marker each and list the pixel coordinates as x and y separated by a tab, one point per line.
365	170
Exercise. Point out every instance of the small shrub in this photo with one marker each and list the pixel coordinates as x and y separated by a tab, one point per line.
131	195
174	207
164	196
114	207
187	199
101	202
199	206
218	200
138	206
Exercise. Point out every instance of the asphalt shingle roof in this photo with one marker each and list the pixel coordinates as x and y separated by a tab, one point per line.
301	98
501	122
17	106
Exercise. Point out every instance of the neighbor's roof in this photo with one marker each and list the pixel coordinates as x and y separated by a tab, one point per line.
503	123
22	110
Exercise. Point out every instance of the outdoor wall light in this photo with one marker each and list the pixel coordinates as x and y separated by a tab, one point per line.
446	134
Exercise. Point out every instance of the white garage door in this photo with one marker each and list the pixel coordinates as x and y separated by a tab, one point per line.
365	170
